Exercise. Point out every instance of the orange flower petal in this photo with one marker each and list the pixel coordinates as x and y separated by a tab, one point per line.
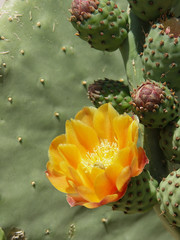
111	198
72	138
53	152
86	115
142	161
71	153
85	177
75	200
113	171
106	200
86	135
121	126
60	183
133	132
95	173
103	186
123	178
103	119
75	177
88	194
124	156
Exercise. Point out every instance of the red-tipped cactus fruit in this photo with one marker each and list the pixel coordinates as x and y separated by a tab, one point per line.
101	23
155	104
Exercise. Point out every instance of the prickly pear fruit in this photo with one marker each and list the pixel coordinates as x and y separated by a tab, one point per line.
154	104
140	195
170	140
150	10
101	23
116	92
161	56
168	197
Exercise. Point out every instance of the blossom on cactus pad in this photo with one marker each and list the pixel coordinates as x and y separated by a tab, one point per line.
94	161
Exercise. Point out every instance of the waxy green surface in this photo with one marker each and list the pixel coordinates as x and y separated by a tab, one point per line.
42	67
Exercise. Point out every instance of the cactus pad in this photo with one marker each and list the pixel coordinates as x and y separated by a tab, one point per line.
161	56
170	141
155	104
116	92
169	197
150	10
100	23
140	195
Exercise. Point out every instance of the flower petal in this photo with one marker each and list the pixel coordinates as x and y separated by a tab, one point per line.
86	135
75	200
113	171
106	200
103	119
88	194
123	178
86	115
60	183
121	126
103	186
124	156
142	160
75	177
71	153
53	152
72	138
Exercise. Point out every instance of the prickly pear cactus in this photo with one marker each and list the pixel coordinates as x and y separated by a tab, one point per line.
44	74
168	196
155	104
140	195
169	141
161	57
150	10
101	23
116	92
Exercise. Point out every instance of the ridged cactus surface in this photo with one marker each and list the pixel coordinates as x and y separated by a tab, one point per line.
42	67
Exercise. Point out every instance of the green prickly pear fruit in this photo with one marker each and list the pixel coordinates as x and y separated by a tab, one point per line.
140	195
154	104
101	23
161	56
150	10
168	196
116	92
170	140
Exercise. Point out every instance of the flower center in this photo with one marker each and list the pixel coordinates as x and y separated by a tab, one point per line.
101	156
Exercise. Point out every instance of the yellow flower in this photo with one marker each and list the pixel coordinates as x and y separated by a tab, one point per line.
96	158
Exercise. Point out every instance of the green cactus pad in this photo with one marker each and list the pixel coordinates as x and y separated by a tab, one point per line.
40	88
140	195
168	196
154	104
170	140
149	10
161	56
2	235
116	92
104	26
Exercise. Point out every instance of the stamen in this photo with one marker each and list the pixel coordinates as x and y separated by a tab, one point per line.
101	156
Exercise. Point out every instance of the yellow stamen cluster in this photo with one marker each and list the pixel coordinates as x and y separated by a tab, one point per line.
101	156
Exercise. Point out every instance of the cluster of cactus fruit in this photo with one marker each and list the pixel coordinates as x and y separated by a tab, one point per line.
153	100
150	90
